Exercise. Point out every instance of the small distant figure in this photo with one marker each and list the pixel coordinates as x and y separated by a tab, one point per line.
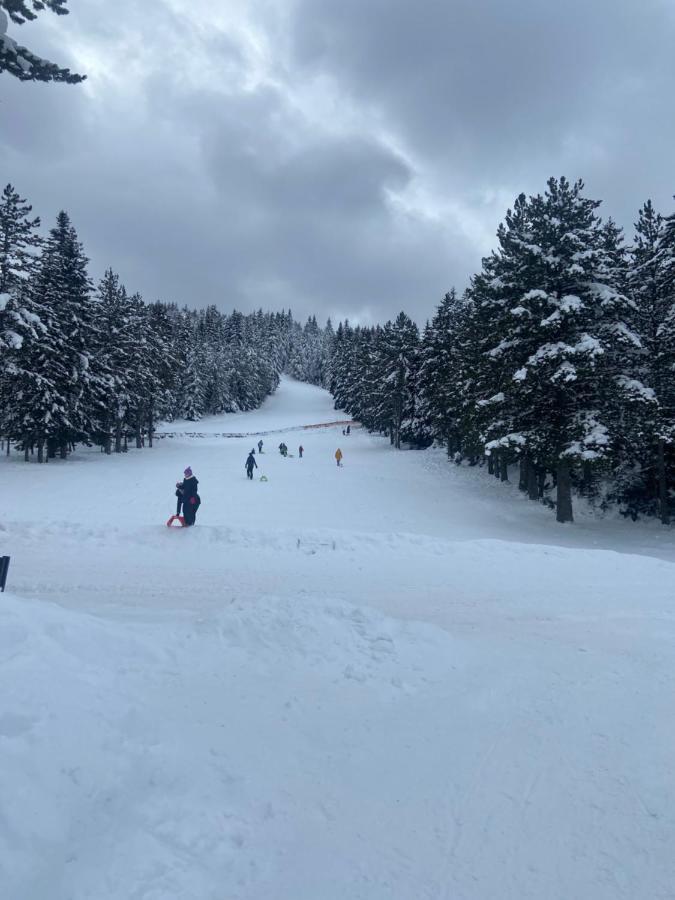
283	449
301	450
457	458
190	499
251	464
260	446
349	429
343	432
338	457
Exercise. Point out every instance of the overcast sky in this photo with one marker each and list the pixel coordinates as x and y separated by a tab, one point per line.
349	158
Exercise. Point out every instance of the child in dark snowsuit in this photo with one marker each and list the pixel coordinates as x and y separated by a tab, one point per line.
188	496
260	446
301	450
250	465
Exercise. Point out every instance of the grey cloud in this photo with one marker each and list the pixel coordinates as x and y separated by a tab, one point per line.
201	186
501	94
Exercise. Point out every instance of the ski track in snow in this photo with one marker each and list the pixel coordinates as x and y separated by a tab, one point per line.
394	680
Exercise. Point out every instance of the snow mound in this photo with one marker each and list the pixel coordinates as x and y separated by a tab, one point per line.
149	794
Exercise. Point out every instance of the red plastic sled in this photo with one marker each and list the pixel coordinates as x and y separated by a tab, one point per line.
180	519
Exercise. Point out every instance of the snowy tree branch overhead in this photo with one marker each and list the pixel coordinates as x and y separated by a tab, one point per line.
18	60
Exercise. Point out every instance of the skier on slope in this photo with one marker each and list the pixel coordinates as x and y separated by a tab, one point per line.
189	496
260	446
338	457
250	465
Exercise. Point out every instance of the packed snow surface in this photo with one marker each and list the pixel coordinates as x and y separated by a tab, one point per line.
396	679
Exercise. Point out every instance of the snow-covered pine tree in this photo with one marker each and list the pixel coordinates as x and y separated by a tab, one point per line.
114	339
19	243
567	382
627	401
361	376
646	472
505	300
162	402
18	60
397	351
139	370
61	412
437	376
327	345
19	240
22	379
191	386
341	368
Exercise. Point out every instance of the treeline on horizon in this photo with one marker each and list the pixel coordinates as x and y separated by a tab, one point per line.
559	357
99	366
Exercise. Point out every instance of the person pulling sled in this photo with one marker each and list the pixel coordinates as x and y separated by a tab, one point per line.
190	499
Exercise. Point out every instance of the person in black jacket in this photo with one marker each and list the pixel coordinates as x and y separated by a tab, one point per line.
189	496
250	465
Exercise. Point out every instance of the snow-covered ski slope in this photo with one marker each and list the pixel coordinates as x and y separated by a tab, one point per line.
397	679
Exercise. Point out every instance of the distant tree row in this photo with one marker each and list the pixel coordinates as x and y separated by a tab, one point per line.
559	357
99	366
309	351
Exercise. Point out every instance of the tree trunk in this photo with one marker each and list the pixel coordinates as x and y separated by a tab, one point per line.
504	467
64	451
664	507
125	448
491	464
139	432
151	428
532	481
497	465
564	492
587	470
118	436
26	453
522	474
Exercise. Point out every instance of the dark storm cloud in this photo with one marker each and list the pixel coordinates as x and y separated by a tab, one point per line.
348	159
497	96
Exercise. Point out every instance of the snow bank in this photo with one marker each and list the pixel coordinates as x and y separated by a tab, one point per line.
194	757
